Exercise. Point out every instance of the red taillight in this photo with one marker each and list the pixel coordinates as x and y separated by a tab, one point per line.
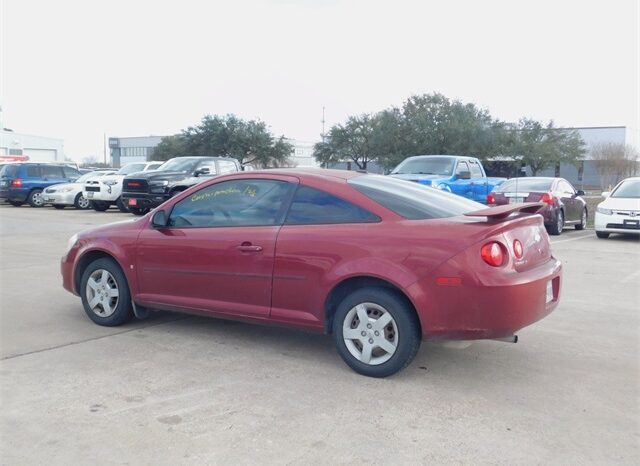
491	199
17	183
517	249
547	198
493	254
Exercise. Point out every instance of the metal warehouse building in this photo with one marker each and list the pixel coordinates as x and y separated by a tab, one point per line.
17	146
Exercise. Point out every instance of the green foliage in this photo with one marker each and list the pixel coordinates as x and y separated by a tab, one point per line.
250	142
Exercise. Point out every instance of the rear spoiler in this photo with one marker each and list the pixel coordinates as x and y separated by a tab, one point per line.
504	211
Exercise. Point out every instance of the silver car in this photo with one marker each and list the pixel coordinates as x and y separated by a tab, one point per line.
70	194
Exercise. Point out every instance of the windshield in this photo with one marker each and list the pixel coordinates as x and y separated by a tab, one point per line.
411	200
131	168
94	174
425	166
525	185
628	189
179	164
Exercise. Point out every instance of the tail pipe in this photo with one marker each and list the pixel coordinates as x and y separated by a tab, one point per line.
511	339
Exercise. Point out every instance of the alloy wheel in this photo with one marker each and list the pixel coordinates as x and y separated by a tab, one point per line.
102	293
370	333
83	202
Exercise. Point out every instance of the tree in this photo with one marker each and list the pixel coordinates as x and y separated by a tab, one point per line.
250	142
540	146
351	141
614	162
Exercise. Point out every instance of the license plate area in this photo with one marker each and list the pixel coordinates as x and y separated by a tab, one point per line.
133	202
632	223
516	200
89	194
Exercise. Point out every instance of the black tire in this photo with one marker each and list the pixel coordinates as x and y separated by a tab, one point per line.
81	203
121	206
59	206
556	228
35	198
138	211
100	206
16	203
602	234
123	311
583	220
406	323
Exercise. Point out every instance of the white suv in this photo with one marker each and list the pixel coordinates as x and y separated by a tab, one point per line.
102	193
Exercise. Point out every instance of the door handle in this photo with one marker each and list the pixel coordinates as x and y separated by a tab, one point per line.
248	247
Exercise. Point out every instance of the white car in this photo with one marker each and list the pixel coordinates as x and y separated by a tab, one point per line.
620	211
106	191
70	194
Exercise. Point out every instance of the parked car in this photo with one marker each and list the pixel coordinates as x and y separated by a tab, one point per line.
464	176
24	182
70	194
142	192
106	191
620	211
378	262
564	204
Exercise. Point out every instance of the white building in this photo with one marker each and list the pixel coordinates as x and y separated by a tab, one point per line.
17	146
302	154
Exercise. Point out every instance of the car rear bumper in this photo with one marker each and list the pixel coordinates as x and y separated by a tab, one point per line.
14	194
471	311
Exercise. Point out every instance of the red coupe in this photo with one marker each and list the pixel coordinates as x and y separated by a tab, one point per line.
378	262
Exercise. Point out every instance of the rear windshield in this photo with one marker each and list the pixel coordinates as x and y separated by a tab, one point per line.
425	166
525	184
629	188
8	170
411	200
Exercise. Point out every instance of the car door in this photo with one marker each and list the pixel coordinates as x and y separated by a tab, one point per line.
478	182
217	251
568	196
461	186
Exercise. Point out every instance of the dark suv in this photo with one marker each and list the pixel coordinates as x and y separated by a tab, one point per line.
24	182
145	190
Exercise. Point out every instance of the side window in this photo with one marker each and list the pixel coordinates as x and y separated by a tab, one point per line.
71	173
52	172
210	164
33	171
227	166
565	187
475	170
243	202
311	206
462	167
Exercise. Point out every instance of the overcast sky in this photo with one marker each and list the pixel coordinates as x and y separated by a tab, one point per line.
78	69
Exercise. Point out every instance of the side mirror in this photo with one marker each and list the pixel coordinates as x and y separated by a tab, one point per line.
202	171
464	175
606	194
580	192
159	219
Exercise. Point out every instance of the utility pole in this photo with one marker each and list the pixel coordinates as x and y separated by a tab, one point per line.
104	147
323	123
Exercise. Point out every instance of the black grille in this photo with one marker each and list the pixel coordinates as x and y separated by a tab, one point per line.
135	186
92	188
624	226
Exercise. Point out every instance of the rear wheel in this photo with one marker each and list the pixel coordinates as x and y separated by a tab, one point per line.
138	210
121	206
602	234
583	220
81	202
376	332
35	198
99	206
556	228
58	206
16	203
105	293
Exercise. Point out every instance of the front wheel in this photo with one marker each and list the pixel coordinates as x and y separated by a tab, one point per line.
81	202
35	198
121	206
583	220
99	206
105	293
602	234
376	331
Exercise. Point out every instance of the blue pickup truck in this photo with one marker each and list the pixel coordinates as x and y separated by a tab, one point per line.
460	175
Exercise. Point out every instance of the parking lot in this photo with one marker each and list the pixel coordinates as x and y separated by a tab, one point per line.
176	389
